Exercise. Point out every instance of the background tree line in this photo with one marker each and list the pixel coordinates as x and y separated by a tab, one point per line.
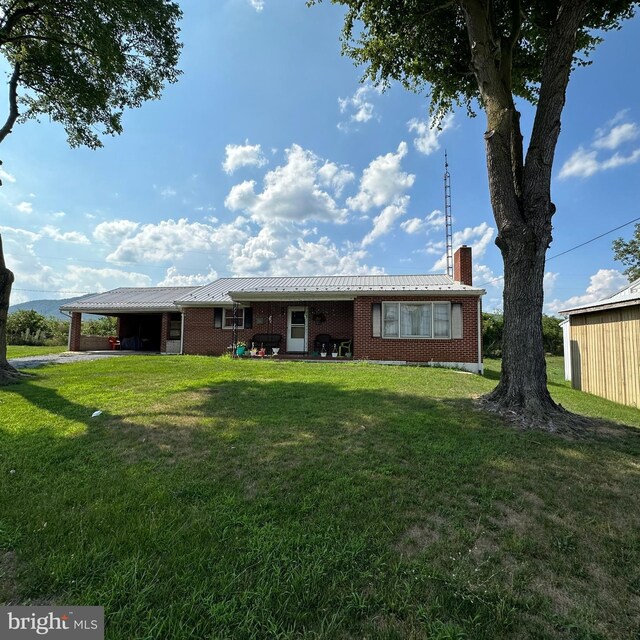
493	326
28	327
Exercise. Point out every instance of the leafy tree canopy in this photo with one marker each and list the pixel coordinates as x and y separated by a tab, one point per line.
426	42
82	62
629	254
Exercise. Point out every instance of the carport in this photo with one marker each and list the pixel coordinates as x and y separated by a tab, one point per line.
147	319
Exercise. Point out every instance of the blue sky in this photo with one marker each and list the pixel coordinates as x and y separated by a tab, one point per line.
269	157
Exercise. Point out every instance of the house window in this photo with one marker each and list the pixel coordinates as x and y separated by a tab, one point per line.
416	320
228	318
174	329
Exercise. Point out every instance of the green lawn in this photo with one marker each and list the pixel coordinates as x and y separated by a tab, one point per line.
23	351
236	499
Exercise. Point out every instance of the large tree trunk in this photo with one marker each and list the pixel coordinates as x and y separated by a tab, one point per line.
523	385
521	195
7	372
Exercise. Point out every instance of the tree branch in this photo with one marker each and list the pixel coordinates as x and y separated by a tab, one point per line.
556	67
13	103
15	17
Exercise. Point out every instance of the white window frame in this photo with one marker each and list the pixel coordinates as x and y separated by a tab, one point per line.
240	318
397	303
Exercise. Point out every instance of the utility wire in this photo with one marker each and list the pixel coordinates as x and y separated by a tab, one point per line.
582	244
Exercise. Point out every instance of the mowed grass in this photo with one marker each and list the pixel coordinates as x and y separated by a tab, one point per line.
22	351
234	499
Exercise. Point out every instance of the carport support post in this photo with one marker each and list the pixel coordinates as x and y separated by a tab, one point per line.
164	331
75	330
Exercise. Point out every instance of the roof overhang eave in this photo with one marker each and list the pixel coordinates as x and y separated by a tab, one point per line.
601	307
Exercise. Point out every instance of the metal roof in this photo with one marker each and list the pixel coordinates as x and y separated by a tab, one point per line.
630	295
226	290
130	299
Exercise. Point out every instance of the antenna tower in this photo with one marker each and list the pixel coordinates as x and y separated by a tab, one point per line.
447	216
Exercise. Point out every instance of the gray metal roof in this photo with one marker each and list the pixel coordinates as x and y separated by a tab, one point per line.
130	299
630	295
226	290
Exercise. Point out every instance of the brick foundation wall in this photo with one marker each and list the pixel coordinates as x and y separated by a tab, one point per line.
464	349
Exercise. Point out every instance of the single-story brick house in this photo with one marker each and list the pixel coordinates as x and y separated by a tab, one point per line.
415	318
604	346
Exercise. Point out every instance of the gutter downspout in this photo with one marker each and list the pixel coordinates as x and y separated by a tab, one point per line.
181	332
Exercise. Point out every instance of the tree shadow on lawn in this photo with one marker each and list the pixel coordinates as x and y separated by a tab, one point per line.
277	501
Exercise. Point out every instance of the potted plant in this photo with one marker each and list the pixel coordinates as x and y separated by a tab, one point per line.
323	352
241	347
254	350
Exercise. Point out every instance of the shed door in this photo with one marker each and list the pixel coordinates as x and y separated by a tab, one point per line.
297	329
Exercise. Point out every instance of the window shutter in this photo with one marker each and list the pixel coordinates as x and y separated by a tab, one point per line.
376	320
248	318
456	320
217	317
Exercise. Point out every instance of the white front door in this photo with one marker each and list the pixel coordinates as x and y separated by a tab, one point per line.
297	329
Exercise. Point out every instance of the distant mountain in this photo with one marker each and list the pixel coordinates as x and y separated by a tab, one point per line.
49	308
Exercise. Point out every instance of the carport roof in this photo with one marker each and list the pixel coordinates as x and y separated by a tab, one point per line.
130	300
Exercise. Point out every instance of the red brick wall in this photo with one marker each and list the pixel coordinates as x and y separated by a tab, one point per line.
201	337
416	349
342	320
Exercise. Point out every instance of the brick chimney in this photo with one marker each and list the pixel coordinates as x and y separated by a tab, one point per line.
462	265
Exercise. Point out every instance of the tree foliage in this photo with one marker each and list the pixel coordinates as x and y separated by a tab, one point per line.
27	326
105	326
425	44
493	328
83	62
629	254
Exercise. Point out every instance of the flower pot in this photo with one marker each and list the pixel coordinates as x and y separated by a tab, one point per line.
323	355
334	354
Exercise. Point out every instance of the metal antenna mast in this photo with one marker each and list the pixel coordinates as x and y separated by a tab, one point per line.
447	216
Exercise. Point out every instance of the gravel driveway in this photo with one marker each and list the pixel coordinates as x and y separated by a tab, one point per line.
30	362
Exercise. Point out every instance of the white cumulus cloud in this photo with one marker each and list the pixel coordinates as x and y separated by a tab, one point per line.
428	134
114	231
292	191
174	279
477	237
358	108
74	237
383	181
384	222
258	5
24	207
584	162
602	284
242	155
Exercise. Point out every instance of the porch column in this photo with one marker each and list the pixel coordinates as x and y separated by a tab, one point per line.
75	329
164	331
